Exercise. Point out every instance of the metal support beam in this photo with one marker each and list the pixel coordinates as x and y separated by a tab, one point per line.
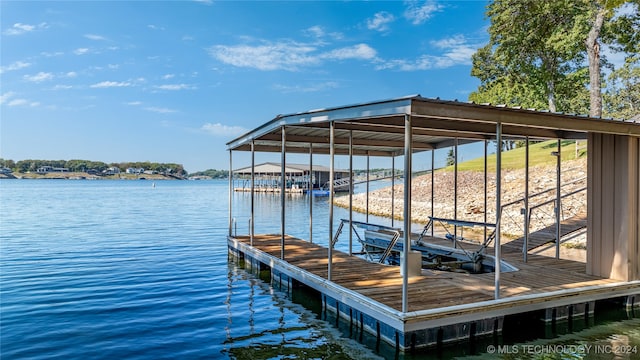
230	192
408	135
283	188
367	191
486	145
332	130
310	192
525	246
498	207
433	157
350	192
455	191
558	197
393	188
253	194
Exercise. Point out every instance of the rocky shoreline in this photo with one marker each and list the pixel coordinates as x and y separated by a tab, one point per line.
470	202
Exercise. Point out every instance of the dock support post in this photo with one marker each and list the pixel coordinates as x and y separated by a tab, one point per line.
332	129
283	188
310	192
486	144
350	192
367	191
408	138
253	189
558	199
433	158
525	246
230	192
498	207
455	192
393	188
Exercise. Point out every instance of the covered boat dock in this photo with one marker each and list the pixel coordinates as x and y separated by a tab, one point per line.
412	310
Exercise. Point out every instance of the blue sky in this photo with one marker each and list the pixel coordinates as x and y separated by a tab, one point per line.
173	81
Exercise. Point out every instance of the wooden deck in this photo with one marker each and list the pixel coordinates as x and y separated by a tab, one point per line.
433	289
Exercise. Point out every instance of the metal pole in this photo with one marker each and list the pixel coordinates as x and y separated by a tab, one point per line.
331	173
253	181
558	199
455	191
230	192
367	194
498	206
310	192
350	192
393	188
433	157
486	144
525	246
283	188
408	134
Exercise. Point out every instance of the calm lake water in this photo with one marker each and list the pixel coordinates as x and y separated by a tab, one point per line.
122	269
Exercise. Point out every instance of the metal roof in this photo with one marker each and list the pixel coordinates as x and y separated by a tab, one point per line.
276	169
377	128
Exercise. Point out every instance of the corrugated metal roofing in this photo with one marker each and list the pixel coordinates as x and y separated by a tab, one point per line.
377	128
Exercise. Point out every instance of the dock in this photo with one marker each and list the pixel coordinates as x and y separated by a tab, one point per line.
411	307
443	306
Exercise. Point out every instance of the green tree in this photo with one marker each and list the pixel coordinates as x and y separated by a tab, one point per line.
533	45
538	52
451	158
622	98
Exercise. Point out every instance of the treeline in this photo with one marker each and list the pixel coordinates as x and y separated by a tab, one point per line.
214	174
32	165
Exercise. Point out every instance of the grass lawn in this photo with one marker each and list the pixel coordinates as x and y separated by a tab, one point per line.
539	154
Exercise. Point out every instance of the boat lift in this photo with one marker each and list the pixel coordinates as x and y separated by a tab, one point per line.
396	232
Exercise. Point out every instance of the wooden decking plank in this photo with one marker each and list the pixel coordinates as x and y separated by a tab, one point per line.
433	289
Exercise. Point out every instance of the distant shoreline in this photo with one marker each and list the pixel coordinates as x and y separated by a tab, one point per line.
76	175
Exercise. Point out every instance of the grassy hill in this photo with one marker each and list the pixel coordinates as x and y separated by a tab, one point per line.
539	154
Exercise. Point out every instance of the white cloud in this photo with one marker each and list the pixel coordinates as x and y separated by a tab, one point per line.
62	87
71	74
95	37
160	110
319	33
155	27
175	87
19	28
17	102
380	21
51	54
205	2
81	51
39	77
14	66
315	31
456	50
359	51
168	76
269	56
6	96
134	103
315	87
419	13
286	55
109	84
221	130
